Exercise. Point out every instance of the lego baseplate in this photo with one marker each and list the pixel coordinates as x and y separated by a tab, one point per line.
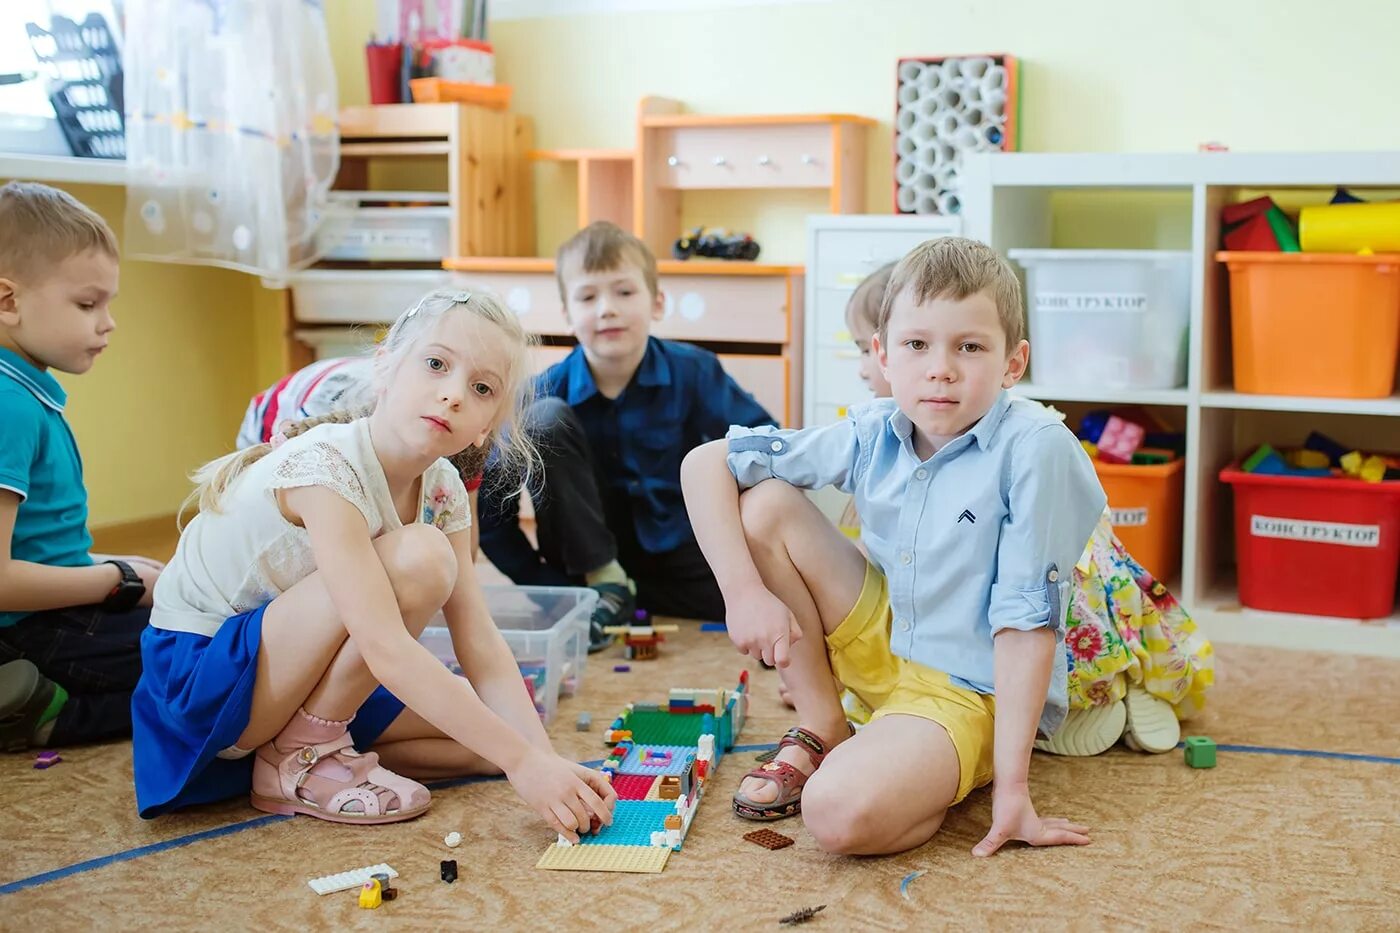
646	827
640	859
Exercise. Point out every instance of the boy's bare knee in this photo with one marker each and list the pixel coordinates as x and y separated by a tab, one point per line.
762	509
422	568
838	817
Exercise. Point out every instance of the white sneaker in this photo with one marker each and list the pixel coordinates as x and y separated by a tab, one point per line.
1087	732
1152	723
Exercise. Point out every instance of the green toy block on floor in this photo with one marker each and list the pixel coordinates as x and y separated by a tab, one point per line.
1200	752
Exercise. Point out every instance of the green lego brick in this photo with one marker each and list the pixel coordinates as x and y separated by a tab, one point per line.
1283	230
1200	752
1256	458
653	727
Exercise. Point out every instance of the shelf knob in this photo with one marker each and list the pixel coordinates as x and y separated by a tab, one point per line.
764	160
673	161
807	159
719	160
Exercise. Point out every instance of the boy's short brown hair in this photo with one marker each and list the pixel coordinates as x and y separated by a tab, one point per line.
956	267
42	226
604	246
869	296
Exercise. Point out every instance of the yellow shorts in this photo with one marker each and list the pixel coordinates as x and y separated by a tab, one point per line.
861	659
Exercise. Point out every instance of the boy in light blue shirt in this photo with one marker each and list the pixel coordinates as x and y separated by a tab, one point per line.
974	509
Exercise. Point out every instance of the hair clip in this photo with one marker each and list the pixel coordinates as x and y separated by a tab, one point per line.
460	298
277	440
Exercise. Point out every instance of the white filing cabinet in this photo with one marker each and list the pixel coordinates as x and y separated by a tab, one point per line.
841	251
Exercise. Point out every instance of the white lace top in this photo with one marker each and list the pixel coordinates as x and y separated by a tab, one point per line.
242	556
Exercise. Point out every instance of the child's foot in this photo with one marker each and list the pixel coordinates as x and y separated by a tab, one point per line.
616	605
1088	732
773	790
1152	723
312	768
25	700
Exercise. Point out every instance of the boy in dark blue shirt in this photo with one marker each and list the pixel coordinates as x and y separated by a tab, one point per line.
613	421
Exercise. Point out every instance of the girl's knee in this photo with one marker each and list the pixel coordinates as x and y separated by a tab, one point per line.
422	567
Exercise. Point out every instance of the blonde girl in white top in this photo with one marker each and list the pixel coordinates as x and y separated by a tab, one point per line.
283	643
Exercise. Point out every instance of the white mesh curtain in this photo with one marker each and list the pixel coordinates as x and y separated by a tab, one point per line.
232	142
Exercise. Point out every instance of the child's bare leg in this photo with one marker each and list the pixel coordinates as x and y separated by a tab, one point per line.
818	573
307	659
885	790
415	748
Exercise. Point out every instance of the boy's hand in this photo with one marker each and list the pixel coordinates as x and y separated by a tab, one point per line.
1014	817
568	795
761	625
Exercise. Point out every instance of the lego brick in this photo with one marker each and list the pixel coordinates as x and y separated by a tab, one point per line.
633	823
1200	752
345	880
641	859
653	727
768	839
448	870
633	764
633	786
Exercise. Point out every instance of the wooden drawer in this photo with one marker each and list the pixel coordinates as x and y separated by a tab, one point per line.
328	342
763	377
533	296
748	309
324	296
783	156
545	357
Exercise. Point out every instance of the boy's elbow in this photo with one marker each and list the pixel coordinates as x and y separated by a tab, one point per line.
703	458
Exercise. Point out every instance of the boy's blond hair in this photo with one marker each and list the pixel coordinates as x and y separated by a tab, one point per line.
602	247
40	227
869	295
955	267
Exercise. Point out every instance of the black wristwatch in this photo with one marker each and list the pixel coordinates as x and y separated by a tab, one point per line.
126	594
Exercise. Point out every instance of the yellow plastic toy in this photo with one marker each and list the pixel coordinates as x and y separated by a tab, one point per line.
370	895
1350	228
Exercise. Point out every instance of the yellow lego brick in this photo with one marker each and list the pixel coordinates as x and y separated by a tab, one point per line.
640	859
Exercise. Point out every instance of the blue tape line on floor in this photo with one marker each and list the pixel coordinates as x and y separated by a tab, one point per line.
129	854
713	627
81	867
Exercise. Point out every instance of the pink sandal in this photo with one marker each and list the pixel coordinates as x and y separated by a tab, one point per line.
790	781
311	768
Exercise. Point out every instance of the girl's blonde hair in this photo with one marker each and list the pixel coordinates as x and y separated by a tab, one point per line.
508	442
864	305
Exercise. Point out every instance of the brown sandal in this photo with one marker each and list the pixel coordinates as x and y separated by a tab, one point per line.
790	781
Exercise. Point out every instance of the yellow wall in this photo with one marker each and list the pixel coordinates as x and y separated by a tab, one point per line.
170	390
1098	75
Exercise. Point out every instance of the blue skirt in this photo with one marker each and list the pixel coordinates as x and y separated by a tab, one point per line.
194	700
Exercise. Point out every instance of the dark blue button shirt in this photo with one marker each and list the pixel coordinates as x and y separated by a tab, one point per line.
679	398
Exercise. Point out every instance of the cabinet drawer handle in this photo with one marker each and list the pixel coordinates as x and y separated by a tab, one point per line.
673	161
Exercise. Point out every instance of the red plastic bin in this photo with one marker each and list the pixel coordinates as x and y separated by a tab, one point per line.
1316	546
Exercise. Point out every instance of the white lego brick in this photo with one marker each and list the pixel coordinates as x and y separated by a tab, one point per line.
561	841
346	880
659	839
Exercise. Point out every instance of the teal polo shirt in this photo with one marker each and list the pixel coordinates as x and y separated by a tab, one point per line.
39	461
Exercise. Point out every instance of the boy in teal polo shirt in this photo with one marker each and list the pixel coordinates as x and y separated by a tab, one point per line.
70	624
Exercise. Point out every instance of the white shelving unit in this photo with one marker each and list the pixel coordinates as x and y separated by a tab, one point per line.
1010	201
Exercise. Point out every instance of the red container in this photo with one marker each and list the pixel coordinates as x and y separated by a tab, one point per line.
384	66
1316	546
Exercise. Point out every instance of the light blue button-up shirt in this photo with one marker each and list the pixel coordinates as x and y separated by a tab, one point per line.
981	537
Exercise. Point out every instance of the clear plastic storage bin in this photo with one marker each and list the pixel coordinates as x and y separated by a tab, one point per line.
1107	318
547	630
390	234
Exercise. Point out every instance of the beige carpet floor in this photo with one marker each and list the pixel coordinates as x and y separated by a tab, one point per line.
1264	840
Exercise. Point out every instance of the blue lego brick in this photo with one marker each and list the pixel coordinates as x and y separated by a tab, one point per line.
713	627
633	823
632	764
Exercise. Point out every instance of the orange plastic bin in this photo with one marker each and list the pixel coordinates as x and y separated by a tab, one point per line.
1146	505
1314	324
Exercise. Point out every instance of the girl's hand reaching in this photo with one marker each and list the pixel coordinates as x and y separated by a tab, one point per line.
568	795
